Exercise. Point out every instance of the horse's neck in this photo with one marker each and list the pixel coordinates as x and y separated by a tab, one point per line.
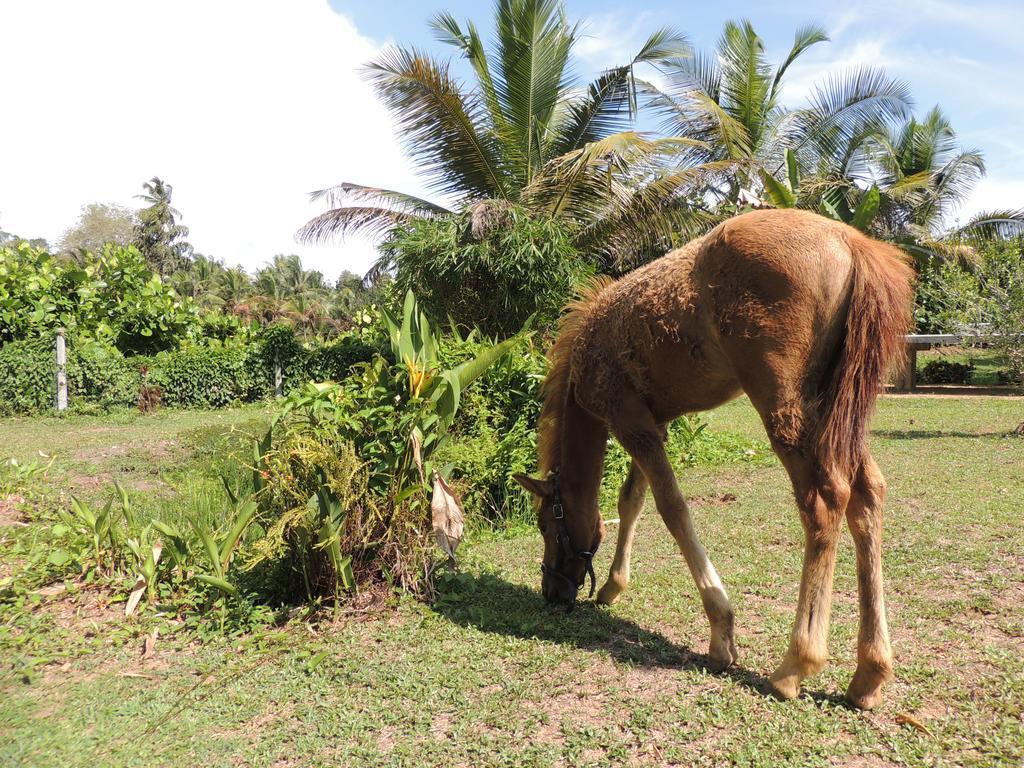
583	440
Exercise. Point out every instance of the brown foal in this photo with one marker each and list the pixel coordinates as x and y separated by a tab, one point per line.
801	313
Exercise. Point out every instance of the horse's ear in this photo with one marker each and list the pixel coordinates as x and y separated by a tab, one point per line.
542	488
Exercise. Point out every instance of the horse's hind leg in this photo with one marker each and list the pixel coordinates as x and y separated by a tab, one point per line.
631	501
822	499
642	437
874	656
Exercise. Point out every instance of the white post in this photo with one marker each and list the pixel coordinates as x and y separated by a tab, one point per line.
278	379
62	372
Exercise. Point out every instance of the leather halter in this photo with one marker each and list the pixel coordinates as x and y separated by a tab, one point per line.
566	551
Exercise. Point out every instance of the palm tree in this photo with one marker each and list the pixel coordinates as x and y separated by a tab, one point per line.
526	134
732	100
199	280
158	235
900	183
234	287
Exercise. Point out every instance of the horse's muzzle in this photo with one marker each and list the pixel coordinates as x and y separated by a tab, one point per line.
558	589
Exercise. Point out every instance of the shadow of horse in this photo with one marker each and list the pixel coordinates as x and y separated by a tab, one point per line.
491	604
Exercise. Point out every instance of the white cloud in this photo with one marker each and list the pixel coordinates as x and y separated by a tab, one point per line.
243	105
994	193
607	40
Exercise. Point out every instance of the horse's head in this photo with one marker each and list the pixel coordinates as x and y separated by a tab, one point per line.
572	535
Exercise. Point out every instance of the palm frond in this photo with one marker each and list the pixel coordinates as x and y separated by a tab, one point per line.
746	76
375	212
649	218
805	38
346	192
533	45
610	103
338	222
991	225
578	182
848	105
470	44
443	129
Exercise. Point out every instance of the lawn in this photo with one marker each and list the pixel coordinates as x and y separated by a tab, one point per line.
490	676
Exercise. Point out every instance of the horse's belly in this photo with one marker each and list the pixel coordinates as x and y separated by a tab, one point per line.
686	376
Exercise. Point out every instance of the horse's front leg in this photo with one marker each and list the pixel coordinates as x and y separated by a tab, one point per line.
643	439
631	502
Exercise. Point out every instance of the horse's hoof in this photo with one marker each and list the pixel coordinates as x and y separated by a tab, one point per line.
722	655
785	687
608	594
864	696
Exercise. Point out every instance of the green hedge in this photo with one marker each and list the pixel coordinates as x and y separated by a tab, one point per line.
191	377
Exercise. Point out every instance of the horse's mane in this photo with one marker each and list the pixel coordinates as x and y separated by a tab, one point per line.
559	379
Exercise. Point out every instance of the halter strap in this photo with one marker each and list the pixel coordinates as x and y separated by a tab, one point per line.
566	551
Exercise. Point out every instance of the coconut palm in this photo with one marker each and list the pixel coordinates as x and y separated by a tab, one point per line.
732	100
900	183
525	134
158	234
234	287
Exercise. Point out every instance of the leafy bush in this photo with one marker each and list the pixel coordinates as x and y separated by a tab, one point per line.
947	299
350	476
112	297
946	372
1000	272
28	381
204	377
97	374
494	435
492	275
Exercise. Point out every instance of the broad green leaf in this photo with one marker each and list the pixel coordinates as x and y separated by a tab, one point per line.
780	195
793	170
867	209
242	519
219	583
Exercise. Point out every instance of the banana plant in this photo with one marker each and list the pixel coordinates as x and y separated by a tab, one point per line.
220	548
785	194
95	526
326	508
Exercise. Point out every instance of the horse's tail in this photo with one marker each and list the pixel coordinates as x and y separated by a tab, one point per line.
877	317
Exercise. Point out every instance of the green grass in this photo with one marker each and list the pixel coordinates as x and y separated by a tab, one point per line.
491	676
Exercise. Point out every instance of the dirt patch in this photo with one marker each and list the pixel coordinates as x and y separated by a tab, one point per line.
9	510
87	611
718	500
99	453
89	482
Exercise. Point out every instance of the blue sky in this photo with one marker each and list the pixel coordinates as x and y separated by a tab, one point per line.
264	102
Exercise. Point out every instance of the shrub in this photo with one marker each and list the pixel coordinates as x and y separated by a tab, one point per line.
494	435
203	377
492	275
946	372
394	418
97	374
947	298
112	297
1001	274
28	381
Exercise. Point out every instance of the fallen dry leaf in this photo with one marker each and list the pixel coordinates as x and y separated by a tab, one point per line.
148	644
904	719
